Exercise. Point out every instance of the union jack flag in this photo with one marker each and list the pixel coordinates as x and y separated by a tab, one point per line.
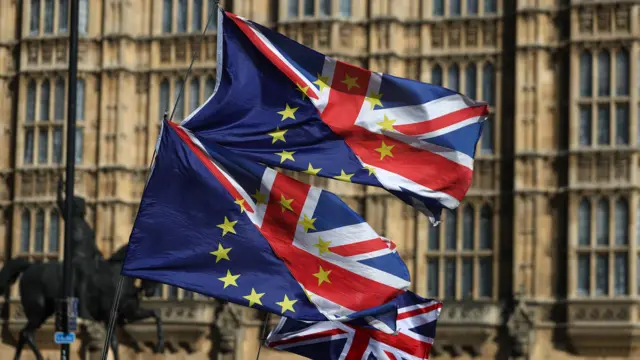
280	103
330	340
279	244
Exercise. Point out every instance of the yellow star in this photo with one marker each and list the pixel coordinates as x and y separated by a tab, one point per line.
240	203
221	253
372	171
374	99
386	124
323	276
307	223
343	176
322	82
285	203
229	279
278	135
288	113
311	171
254	297
227	226
385	150
260	197
323	246
286	155
350	81
286	304
303	90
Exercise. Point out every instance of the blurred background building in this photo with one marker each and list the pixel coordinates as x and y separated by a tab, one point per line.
542	259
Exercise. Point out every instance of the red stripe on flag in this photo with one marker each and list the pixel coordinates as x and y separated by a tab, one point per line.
358	345
390	355
301	338
272	56
443	121
207	162
401	342
340	115
359	248
347	289
419	311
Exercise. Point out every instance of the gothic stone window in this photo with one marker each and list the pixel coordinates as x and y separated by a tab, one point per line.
454	8
44	122
52	16
460	254
603	115
181	16
317	8
199	89
40	233
602	246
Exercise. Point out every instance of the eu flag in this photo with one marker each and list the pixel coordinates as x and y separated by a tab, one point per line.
282	104
221	225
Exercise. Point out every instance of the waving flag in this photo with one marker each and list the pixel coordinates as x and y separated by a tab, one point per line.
214	223
280	103
330	340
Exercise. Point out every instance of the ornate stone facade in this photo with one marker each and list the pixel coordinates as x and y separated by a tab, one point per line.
542	259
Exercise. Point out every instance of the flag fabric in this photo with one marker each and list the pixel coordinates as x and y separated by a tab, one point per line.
330	340
282	104
220	225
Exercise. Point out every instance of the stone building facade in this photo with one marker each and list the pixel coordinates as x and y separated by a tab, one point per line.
542	259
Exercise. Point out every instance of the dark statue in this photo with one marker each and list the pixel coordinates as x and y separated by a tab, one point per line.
96	280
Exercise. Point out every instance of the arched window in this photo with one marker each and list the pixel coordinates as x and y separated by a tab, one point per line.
79	145
308	7
38	245
325	7
28	146
602	222
584	275
179	114
345	8
602	274
586	73
194	94
486	140
44	100
59	97
454	7
31	102
472	7
54	231
433	277
182	16
468	225
164	96
488	84
434	237
470	81
80	100
63	16
48	16
621	274
453	77
436	75
167	15
622	124
603	125
43	146
25	230
467	277
585	125
209	87
34	21
486	227
196	16
622	222
450	229
57	145
490	6
622	72
293	9
604	73
438	7
83	16
584	223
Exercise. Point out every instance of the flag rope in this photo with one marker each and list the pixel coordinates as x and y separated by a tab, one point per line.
116	300
263	337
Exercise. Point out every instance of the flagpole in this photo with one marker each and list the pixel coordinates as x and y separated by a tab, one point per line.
67	281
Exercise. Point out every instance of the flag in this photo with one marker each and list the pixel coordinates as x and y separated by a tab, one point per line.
330	340
216	224
280	103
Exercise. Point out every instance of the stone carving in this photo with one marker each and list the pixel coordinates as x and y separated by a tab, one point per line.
436	37
472	35
604	20
599	313
32	54
47	53
585	21
165	51
622	19
520	327
181	51
489	37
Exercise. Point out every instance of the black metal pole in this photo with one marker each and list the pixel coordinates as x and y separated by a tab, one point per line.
67	283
